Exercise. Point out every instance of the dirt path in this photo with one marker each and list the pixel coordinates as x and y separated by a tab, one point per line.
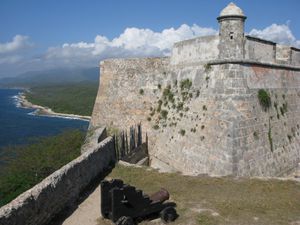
87	212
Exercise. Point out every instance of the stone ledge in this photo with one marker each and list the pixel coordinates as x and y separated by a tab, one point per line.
41	203
252	62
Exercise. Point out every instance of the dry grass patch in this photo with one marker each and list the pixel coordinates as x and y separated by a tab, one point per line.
215	201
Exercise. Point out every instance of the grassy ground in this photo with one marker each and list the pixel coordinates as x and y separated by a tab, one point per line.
216	201
76	98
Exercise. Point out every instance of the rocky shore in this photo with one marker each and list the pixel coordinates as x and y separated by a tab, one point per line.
45	111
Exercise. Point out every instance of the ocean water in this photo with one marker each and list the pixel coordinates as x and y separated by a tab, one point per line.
19	125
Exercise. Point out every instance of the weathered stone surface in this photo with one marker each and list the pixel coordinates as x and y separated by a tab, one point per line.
39	204
220	128
232	10
191	51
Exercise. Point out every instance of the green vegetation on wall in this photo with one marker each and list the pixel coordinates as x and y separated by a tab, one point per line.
283	109
270	136
25	166
207	67
264	99
172	105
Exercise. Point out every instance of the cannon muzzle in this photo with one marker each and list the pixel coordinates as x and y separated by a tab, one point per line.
160	196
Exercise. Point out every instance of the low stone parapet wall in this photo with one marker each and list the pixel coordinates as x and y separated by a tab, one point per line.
41	203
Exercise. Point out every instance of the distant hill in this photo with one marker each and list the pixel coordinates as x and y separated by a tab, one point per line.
51	77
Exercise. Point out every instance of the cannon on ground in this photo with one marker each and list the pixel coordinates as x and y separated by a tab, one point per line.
125	205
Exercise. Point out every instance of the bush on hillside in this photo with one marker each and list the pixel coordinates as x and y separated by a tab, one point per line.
26	166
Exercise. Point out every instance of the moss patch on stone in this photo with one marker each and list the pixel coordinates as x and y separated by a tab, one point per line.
264	99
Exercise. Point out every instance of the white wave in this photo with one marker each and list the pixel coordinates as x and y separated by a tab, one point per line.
17	99
66	117
36	113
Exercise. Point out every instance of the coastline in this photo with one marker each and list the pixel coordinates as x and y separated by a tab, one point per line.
45	111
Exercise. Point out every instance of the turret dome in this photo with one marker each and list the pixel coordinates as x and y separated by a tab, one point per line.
231	10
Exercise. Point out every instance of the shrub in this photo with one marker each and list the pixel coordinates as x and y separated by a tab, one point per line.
270	137
159	105
167	94
284	106
155	127
255	134
28	165
184	95
164	114
185	84
180	106
141	91
264	99
207	67
182	132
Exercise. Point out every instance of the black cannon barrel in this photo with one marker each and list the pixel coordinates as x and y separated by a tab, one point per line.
160	196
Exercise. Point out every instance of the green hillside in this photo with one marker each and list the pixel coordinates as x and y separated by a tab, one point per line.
28	165
76	98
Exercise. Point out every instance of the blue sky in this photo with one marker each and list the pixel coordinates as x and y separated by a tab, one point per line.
38	35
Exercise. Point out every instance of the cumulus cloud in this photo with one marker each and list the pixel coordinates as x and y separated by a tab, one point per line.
13	54
134	38
18	43
133	42
277	33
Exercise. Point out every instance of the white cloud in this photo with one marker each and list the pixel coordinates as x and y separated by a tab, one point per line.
10	59
277	33
18	43
134	38
133	42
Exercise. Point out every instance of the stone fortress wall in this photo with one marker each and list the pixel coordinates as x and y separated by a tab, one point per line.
61	189
200	106
203	49
270	52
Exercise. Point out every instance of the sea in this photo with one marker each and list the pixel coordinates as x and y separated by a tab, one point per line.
19	126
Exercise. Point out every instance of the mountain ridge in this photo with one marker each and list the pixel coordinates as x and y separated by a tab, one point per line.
51	77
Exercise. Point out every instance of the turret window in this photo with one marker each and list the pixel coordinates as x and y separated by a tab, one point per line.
231	35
